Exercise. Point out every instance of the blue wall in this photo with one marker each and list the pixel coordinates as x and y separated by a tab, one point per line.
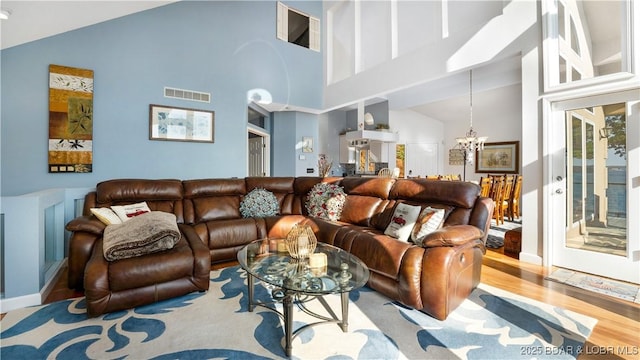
290	127
224	48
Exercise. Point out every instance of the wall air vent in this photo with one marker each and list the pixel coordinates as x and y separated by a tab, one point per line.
187	94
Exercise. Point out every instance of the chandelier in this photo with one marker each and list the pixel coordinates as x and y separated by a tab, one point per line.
470	141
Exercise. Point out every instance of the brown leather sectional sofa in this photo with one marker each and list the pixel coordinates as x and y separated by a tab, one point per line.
434	278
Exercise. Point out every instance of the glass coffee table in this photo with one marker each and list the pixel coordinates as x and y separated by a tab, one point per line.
296	282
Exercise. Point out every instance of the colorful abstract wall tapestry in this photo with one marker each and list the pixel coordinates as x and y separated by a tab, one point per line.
70	119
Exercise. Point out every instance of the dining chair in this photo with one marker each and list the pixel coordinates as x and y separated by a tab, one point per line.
485	186
507	188
496	196
384	172
513	211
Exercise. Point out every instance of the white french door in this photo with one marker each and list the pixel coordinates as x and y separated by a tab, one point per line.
422	159
594	185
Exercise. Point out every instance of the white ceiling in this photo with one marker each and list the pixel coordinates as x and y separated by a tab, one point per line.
34	20
440	99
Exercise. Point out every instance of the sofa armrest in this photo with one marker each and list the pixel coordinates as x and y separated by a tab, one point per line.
86	231
81	246
452	236
89	224
201	256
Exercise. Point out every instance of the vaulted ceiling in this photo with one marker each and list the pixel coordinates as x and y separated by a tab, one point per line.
34	20
443	99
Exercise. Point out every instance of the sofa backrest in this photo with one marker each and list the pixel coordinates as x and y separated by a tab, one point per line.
301	188
212	199
160	195
370	201
456	197
281	187
367	198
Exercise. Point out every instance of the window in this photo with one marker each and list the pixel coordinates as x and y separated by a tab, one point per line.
586	39
255	117
297	28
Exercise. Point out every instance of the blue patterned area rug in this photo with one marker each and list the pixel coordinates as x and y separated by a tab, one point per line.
491	324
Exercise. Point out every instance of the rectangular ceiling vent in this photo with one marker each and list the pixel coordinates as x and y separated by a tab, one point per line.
187	94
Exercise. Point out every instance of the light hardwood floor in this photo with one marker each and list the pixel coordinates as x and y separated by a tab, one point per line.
616	335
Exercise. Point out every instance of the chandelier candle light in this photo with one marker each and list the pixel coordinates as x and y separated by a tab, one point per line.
471	141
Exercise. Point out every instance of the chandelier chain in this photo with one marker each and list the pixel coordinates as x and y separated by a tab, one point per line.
471	99
471	141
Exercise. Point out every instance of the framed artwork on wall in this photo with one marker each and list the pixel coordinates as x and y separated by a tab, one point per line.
70	120
180	124
498	157
456	157
307	144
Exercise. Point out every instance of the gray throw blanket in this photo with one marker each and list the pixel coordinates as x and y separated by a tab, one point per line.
144	234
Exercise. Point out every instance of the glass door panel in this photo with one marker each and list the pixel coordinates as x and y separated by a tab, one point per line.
597	199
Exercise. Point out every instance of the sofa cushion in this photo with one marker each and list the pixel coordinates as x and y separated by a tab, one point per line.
126	212
212	199
376	187
459	194
259	203
402	222
152	269
360	210
136	190
430	220
326	201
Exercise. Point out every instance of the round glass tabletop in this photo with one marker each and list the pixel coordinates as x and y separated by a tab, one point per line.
269	261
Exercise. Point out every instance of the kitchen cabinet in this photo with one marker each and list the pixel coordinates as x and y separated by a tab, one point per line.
347	152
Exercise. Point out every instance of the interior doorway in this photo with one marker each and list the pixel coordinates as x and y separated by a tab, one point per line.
258	143
256	155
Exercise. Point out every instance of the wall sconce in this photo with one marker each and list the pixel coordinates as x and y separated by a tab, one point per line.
605	132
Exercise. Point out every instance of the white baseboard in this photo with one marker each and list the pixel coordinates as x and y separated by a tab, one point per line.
530	258
50	285
19	302
24	301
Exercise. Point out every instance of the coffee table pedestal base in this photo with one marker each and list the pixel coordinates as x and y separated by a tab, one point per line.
288	298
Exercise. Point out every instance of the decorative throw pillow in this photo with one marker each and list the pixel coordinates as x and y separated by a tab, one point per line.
402	221
126	212
326	201
106	215
259	203
430	220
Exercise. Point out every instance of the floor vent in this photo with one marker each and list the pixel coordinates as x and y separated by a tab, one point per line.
187	94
